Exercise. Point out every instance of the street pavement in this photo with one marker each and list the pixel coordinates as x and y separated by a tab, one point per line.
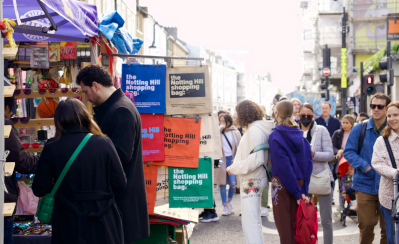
228	229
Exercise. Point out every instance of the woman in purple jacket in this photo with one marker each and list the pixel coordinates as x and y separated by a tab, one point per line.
292	165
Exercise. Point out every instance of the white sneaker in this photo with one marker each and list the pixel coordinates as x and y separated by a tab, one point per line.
225	211
230	207
264	212
354	205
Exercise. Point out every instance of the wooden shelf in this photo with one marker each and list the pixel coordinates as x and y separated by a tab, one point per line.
31	149
8	209
9	91
35	94
7	131
9	168
36	122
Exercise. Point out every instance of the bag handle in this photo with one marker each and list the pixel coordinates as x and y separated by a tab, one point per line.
69	163
390	152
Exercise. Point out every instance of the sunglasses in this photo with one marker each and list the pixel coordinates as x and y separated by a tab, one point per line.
380	107
43	91
23	120
74	90
27	176
27	91
34	145
304	116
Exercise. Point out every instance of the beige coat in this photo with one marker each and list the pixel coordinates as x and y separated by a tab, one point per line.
250	166
220	173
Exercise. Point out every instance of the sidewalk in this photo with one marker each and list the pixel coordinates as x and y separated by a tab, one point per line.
228	229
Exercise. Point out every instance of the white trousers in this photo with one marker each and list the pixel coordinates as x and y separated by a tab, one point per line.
251	190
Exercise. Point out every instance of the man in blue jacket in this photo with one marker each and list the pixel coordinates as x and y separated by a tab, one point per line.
366	180
332	124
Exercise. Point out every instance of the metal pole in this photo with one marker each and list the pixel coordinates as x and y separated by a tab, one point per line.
361	107
343	65
1	133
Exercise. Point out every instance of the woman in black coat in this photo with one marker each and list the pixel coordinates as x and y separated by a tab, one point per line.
84	209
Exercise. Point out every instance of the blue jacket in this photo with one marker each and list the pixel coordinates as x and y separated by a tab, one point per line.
365	182
291	159
333	124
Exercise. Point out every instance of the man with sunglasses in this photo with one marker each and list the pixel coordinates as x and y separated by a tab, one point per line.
366	180
24	163
119	119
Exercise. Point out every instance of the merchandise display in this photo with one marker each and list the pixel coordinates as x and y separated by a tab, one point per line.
30	228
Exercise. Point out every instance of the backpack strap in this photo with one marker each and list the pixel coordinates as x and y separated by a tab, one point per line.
362	135
390	152
265	146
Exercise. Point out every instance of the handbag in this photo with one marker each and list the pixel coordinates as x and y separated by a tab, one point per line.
320	183
395	198
46	205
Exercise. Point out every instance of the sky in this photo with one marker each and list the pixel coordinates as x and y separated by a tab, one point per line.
266	34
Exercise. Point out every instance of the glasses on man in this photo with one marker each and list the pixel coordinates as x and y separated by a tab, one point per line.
380	107
306	116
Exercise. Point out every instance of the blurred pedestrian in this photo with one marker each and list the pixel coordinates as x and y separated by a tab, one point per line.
24	164
382	163
339	139
322	152
230	138
366	179
354	115
291	158
85	210
251	167
362	117
296	103
119	119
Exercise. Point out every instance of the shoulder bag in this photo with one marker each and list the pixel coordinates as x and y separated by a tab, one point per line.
320	183
46	205
393	162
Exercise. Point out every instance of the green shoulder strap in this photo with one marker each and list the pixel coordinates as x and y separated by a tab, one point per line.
259	147
69	163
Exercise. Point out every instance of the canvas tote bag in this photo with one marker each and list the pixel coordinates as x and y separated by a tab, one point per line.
320	183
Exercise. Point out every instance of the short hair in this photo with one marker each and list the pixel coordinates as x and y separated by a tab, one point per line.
306	105
364	114
354	113
10	102
326	102
381	96
94	73
294	99
248	112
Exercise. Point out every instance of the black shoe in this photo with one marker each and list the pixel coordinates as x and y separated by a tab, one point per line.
210	218
203	214
333	203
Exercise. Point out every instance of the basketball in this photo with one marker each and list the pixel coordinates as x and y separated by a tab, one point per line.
46	108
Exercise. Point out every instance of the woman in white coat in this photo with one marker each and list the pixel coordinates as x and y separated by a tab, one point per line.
250	167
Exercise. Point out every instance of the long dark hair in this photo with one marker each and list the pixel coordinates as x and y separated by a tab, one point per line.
73	112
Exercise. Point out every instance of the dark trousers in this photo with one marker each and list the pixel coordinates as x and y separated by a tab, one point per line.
211	210
284	211
8	224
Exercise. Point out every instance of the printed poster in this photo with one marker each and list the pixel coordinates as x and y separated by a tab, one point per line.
188	90
150	175
191	188
182	140
162	193
147	82
152	134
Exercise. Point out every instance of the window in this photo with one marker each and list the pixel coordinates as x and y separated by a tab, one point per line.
118	6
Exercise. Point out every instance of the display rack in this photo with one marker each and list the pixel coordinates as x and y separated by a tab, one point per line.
8	209
58	93
32	150
9	168
9	91
36	123
7	131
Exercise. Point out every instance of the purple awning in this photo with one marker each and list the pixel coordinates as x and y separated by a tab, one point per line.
74	20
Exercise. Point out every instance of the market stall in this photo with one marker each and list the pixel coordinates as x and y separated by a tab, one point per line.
46	43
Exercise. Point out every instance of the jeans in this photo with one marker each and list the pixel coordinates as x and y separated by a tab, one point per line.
232	181
388	224
8	224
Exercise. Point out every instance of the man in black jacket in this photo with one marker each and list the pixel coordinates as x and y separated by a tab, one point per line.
119	119
24	164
